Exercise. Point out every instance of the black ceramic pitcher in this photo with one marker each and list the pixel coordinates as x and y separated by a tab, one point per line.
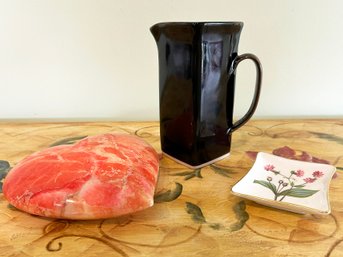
197	67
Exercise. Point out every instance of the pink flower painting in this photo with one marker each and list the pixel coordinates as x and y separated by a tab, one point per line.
299	173
309	180
269	167
317	174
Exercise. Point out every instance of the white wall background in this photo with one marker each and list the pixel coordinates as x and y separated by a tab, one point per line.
83	59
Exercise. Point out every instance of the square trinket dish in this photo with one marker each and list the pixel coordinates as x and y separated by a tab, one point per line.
291	185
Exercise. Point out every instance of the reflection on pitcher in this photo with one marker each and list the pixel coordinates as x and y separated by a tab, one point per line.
211	109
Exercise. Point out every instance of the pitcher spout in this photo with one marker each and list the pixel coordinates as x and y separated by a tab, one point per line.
156	31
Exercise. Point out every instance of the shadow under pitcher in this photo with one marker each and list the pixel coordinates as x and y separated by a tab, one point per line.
197	69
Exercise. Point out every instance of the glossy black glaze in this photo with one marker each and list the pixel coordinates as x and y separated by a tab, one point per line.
197	63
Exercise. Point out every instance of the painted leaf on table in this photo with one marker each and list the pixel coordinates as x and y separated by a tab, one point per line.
12	208
4	166
195	212
222	171
169	195
241	214
189	174
198	217
68	141
4	169
329	137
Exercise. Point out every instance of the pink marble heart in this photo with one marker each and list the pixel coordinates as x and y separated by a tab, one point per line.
99	177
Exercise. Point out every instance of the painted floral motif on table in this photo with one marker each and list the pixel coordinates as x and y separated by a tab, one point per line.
289	153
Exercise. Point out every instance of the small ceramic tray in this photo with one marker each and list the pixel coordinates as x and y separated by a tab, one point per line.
296	186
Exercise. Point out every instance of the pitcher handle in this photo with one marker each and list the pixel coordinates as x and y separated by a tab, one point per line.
254	102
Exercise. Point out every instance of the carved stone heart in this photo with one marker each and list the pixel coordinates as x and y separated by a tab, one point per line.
99	177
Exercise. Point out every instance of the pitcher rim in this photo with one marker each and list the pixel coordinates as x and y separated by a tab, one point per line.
237	23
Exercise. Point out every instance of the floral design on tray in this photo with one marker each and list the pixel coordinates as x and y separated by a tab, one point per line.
292	184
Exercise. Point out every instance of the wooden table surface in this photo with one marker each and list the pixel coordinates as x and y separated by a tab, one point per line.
195	214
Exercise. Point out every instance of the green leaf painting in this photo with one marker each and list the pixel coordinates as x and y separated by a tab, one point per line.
169	195
189	174
222	171
239	209
4	166
195	212
11	207
68	141
329	137
241	214
266	184
4	169
299	186
298	192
